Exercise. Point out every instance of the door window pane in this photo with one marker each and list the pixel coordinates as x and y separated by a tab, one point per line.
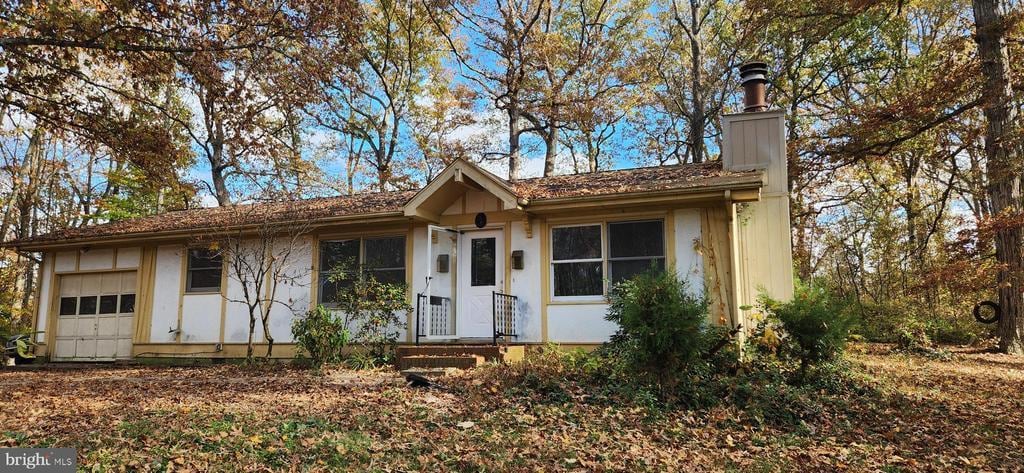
108	304
578	279
482	261
575	243
87	305
68	305
127	303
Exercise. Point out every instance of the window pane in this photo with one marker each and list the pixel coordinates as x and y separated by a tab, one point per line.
204	280
623	270
203	258
481	263
628	239
339	255
328	291
87	305
576	242
68	305
127	303
108	304
385	252
388	276
578	279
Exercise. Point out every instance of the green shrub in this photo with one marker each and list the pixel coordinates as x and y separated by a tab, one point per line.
321	336
375	309
662	327
815	323
892	321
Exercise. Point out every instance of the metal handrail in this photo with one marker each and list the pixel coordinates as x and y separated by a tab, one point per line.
439	310
504	310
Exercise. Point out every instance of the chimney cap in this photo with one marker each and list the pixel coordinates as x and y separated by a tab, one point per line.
754	71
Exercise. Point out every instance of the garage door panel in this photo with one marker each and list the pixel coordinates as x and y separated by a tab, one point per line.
85	327
106	348
124	326
110	283
65	348
124	347
85	348
91	284
70	285
106	327
66	328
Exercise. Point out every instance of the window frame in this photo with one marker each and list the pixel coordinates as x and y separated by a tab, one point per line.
608	251
602	259
321	272
189	289
605	258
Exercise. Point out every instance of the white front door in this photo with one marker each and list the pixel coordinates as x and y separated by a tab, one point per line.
481	272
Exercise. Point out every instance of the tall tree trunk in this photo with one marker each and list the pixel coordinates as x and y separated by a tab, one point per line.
1003	152
514	166
697	119
550	148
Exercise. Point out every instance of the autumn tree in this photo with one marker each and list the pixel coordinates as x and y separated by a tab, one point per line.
398	52
494	42
1004	154
263	262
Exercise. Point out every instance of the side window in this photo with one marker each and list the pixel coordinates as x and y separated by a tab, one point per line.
384	258
204	271
635	247
340	255
381	257
577	261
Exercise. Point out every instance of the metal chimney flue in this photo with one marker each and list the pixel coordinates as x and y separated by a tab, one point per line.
754	77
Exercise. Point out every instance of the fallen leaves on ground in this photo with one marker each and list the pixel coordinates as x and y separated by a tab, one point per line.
965	414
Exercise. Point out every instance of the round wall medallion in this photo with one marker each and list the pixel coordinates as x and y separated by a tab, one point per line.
480	220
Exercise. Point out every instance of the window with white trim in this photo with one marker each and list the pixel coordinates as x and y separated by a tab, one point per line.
381	257
583	257
577	262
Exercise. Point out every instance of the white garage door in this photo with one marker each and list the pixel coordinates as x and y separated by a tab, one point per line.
94	320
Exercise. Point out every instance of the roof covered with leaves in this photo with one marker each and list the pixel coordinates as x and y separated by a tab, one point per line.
605	183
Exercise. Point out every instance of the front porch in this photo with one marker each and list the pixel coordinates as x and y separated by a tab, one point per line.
437	323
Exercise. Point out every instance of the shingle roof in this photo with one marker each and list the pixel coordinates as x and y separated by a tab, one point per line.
688	176
647	179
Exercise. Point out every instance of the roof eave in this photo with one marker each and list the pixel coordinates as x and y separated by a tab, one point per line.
172	235
746	189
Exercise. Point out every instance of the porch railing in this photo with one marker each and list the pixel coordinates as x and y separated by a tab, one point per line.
506	311
433	317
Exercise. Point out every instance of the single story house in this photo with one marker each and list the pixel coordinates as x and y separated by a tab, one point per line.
527	261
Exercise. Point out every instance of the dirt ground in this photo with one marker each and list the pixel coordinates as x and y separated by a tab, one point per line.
966	414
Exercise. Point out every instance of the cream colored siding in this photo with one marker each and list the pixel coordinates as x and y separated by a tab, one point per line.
166	294
45	296
762	240
96	259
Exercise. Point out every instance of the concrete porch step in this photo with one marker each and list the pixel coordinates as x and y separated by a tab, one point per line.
408	362
490	353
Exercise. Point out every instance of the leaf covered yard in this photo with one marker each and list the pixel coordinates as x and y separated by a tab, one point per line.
915	414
